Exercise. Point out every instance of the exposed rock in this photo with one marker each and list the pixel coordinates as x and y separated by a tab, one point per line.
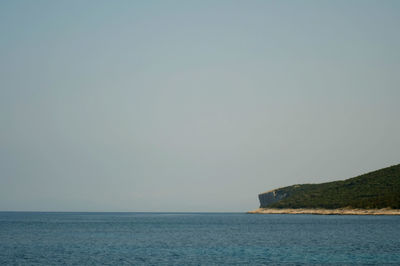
344	211
270	197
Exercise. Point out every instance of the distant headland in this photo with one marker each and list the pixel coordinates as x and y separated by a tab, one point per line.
374	193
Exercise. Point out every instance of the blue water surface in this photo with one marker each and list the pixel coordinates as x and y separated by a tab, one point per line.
29	238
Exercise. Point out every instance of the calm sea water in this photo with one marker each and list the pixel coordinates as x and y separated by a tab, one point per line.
196	238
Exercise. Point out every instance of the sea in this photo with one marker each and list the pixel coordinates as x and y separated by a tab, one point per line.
39	238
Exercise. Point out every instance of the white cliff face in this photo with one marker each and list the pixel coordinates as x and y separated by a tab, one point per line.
270	197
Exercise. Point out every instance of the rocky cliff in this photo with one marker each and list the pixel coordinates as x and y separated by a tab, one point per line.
270	197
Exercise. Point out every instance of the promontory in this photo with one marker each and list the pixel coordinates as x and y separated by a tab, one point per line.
374	193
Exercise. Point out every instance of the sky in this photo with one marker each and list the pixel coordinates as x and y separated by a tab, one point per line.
192	105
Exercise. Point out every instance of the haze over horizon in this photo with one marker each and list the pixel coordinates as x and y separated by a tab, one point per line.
192	105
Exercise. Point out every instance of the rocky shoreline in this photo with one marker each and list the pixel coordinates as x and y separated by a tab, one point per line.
344	211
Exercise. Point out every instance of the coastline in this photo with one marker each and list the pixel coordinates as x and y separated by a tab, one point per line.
344	211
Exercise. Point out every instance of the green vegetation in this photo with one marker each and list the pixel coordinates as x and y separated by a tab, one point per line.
378	189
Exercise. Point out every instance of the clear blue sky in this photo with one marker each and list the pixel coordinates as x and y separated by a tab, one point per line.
192	105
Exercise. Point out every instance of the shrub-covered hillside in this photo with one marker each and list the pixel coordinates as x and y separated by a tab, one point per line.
378	189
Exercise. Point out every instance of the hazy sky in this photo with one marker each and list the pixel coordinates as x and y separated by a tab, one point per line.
192	105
